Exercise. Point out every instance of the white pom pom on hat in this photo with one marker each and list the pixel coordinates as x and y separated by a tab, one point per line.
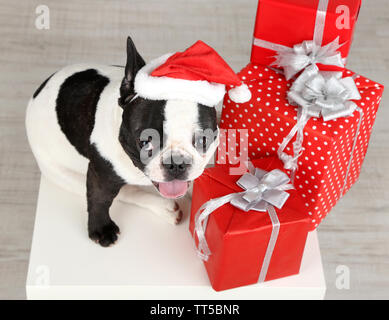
197	74
240	94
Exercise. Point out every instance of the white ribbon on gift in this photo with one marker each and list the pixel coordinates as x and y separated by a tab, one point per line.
310	52
263	191
324	94
293	60
318	94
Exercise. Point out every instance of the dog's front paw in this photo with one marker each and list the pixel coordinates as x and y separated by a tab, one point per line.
105	235
177	213
170	211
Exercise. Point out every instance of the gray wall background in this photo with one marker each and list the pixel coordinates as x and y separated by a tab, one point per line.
355	234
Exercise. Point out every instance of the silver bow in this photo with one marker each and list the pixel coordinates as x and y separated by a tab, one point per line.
263	190
318	94
293	60
324	94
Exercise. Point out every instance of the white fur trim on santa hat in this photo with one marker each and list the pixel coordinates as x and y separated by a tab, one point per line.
165	88
240	94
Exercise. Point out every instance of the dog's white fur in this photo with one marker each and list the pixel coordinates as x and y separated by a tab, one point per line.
179	128
59	161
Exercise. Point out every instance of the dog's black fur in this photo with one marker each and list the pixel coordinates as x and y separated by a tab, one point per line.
103	184
76	106
137	116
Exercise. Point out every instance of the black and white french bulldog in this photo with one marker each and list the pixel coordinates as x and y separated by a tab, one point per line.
88	121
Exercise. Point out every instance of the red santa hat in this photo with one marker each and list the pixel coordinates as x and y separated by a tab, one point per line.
198	74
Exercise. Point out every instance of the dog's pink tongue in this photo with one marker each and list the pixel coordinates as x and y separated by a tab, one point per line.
173	189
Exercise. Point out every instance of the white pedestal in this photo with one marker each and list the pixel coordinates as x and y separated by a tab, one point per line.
151	260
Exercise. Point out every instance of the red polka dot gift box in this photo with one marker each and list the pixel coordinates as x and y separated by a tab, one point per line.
248	227
331	152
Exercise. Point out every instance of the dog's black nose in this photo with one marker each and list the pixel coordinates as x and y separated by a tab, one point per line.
176	168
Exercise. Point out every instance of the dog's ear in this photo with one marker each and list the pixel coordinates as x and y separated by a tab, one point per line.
134	63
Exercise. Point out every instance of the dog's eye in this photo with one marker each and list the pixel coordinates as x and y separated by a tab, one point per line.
201	143
146	145
143	144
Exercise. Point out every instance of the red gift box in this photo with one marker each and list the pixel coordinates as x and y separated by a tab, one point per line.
290	22
238	240
327	167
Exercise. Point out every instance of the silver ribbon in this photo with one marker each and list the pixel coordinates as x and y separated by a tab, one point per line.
317	94
262	192
295	59
324	94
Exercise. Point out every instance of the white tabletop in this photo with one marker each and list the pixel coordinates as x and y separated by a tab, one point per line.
151	260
